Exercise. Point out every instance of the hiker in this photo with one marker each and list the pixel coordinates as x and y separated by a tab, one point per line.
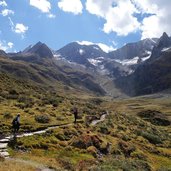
75	112
16	123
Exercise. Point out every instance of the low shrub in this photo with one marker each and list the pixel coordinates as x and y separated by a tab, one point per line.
54	101
13	92
27	101
96	101
154	139
125	165
104	129
42	118
7	115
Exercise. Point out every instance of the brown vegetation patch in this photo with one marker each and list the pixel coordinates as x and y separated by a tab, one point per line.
155	117
126	148
84	141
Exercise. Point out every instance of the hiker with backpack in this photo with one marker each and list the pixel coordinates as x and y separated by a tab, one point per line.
16	124
75	112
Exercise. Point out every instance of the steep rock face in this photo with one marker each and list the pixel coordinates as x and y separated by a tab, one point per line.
80	54
150	77
115	69
92	57
2	53
164	41
154	75
39	53
163	44
40	49
131	50
36	69
98	71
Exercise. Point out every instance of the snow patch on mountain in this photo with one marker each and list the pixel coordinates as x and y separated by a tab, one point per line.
62	60
97	48
128	61
165	49
87	43
134	60
100	58
105	47
57	56
147	57
94	62
81	51
153	40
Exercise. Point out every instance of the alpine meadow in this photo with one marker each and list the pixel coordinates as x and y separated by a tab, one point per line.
85	85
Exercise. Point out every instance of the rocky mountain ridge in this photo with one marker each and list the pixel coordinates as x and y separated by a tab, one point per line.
152	76
89	66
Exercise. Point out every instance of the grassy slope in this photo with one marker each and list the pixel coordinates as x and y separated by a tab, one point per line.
47	72
136	143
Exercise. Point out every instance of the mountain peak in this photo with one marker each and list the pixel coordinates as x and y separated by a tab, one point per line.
39	43
165	35
40	49
164	41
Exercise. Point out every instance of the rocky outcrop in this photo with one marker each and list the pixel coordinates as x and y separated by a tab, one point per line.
132	50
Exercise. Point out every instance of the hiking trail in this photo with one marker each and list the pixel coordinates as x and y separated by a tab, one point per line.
4	142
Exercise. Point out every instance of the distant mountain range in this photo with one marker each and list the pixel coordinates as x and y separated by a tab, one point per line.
154	74
137	68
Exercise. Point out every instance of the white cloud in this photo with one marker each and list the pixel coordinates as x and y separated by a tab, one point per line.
119	16
42	5
2	47
10	45
146	6
103	46
6	12
6	46
51	16
20	28
159	21
73	6
3	3
98	7
85	43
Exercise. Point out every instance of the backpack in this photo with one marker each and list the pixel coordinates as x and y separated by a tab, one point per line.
14	122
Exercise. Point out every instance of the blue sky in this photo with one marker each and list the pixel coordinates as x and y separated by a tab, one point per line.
59	22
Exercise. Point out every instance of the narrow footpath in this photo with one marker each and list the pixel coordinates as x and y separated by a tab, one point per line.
4	142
